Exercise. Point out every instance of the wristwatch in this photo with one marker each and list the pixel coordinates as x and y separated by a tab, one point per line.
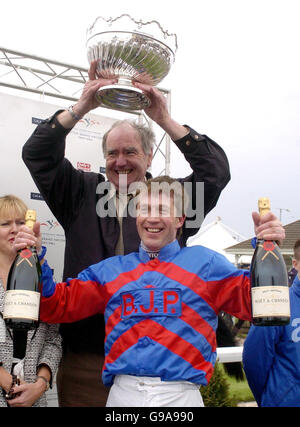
73	114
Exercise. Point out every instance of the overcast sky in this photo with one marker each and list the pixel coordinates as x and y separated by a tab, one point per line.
236	78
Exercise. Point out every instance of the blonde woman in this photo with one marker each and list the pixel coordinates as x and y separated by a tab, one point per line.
43	347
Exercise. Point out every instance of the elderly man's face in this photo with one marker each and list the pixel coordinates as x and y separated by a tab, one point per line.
126	161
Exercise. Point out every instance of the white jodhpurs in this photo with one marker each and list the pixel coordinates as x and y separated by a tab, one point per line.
131	391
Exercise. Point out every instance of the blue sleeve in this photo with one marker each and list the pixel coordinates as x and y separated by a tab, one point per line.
296	280
48	286
229	288
258	357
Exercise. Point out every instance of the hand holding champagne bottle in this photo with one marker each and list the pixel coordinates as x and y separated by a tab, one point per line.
267	226
269	280
22	297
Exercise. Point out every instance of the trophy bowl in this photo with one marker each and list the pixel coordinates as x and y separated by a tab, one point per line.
129	50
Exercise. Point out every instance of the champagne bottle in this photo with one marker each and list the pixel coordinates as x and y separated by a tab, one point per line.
22	296
269	281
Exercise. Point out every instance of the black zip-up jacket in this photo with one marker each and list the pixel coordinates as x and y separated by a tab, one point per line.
71	196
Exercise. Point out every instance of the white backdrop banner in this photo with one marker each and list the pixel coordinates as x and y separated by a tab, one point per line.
18	119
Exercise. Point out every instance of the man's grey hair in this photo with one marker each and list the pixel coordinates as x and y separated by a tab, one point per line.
146	135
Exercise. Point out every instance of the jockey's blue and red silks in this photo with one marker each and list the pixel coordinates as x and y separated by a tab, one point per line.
161	314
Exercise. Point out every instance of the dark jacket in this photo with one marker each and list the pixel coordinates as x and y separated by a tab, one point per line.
71	196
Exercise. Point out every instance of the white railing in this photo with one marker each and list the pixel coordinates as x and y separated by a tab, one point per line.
229	354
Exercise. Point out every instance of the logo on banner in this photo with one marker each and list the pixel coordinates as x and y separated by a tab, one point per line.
50	224
37	121
36	196
89	122
85	167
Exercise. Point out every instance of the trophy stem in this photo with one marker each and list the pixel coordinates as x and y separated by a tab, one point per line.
123	80
122	96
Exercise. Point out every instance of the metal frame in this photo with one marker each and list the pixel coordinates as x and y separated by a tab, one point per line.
47	77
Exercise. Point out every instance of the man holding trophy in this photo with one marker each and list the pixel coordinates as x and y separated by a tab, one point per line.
73	196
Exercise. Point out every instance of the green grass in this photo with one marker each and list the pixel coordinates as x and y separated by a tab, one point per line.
239	391
225	391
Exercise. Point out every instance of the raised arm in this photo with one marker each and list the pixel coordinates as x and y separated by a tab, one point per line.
61	185
70	301
87	101
159	113
229	286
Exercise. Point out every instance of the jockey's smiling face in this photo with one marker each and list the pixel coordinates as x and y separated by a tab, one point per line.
157	223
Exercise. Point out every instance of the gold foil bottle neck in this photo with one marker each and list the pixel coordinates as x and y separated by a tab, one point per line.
30	218
264	206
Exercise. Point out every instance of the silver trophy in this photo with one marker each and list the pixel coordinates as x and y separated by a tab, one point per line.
129	50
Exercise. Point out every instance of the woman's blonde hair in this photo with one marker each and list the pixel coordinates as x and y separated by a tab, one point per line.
12	205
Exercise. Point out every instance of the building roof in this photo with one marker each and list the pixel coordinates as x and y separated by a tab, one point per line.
292	233
216	236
